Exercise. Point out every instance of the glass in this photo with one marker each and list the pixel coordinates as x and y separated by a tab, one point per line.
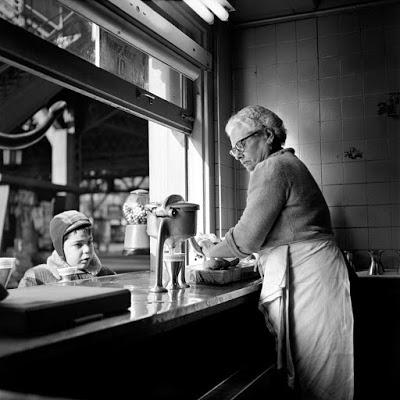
240	146
66	29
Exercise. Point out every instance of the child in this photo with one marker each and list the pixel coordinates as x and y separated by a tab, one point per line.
73	257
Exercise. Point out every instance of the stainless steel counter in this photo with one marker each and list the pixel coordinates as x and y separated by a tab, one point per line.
149	313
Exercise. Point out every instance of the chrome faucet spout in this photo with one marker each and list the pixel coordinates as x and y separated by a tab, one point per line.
376	266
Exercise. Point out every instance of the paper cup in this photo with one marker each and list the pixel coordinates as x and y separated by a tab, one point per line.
6	266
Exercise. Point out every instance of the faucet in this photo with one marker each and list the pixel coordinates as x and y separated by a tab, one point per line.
376	266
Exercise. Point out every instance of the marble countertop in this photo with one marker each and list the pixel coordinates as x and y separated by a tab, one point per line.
149	312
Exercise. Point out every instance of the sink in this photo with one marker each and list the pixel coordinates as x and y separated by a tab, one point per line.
393	273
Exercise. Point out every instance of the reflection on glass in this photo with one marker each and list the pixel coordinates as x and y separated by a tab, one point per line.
68	30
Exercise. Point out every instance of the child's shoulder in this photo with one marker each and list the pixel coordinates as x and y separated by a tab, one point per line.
38	275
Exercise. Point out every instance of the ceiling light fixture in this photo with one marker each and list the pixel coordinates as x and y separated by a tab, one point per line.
207	8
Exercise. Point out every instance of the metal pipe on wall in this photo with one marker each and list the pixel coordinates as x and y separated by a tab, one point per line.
311	14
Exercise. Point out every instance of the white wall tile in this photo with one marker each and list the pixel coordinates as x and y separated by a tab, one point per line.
328	25
306	29
227	197
286	72
316	173
265	55
264	35
375	127
267	96
331	131
286	52
288	112
352	85
378	193
227	177
356	216
341	237
375	82
337	217
349	22
357	238
353	107
308	90
379	216
246	58
332	174
371	18
371	105
376	149
333	194
378	171
393	76
392	15
395	192
350	43
309	132
380	238
287	92
266	75
286	32
330	110
306	49
307	70
331	152
309	110
354	194
244	38
395	238
353	151
310	153
329	88
351	64
328	46
329	66
354	172
374	61
353	128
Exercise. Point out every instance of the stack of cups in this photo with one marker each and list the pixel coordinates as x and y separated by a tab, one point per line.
6	266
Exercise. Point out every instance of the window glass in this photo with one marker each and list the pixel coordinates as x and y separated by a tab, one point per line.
70	31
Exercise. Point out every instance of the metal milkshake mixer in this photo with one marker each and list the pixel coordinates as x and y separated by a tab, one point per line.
171	223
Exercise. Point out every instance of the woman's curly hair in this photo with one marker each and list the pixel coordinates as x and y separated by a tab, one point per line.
259	117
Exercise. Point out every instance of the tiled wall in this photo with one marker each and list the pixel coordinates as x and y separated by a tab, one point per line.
225	195
325	76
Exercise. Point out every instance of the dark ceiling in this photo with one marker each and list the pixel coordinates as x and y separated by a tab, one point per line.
253	10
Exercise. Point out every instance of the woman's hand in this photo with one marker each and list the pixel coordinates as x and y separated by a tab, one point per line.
206	245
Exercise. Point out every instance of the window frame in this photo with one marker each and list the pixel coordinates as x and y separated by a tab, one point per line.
31	53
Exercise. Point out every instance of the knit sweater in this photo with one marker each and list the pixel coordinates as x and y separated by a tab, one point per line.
284	205
57	270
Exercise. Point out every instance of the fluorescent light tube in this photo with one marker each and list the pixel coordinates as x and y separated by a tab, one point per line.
200	9
217	9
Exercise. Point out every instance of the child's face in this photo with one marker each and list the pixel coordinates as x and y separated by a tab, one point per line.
78	248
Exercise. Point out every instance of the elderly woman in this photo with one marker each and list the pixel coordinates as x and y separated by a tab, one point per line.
305	295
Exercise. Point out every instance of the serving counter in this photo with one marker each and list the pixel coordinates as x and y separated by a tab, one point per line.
179	344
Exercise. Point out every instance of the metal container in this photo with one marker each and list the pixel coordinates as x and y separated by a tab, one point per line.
171	223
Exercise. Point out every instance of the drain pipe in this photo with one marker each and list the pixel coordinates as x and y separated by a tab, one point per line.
311	14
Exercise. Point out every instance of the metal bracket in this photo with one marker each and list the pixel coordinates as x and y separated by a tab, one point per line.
149	96
187	117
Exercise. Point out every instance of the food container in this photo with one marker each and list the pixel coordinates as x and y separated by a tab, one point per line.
136	238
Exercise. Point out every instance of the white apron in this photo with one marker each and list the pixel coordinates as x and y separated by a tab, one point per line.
305	299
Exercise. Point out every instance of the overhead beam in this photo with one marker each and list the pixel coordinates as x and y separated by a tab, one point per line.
30	183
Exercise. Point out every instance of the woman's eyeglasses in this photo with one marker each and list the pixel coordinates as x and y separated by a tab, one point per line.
240	146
